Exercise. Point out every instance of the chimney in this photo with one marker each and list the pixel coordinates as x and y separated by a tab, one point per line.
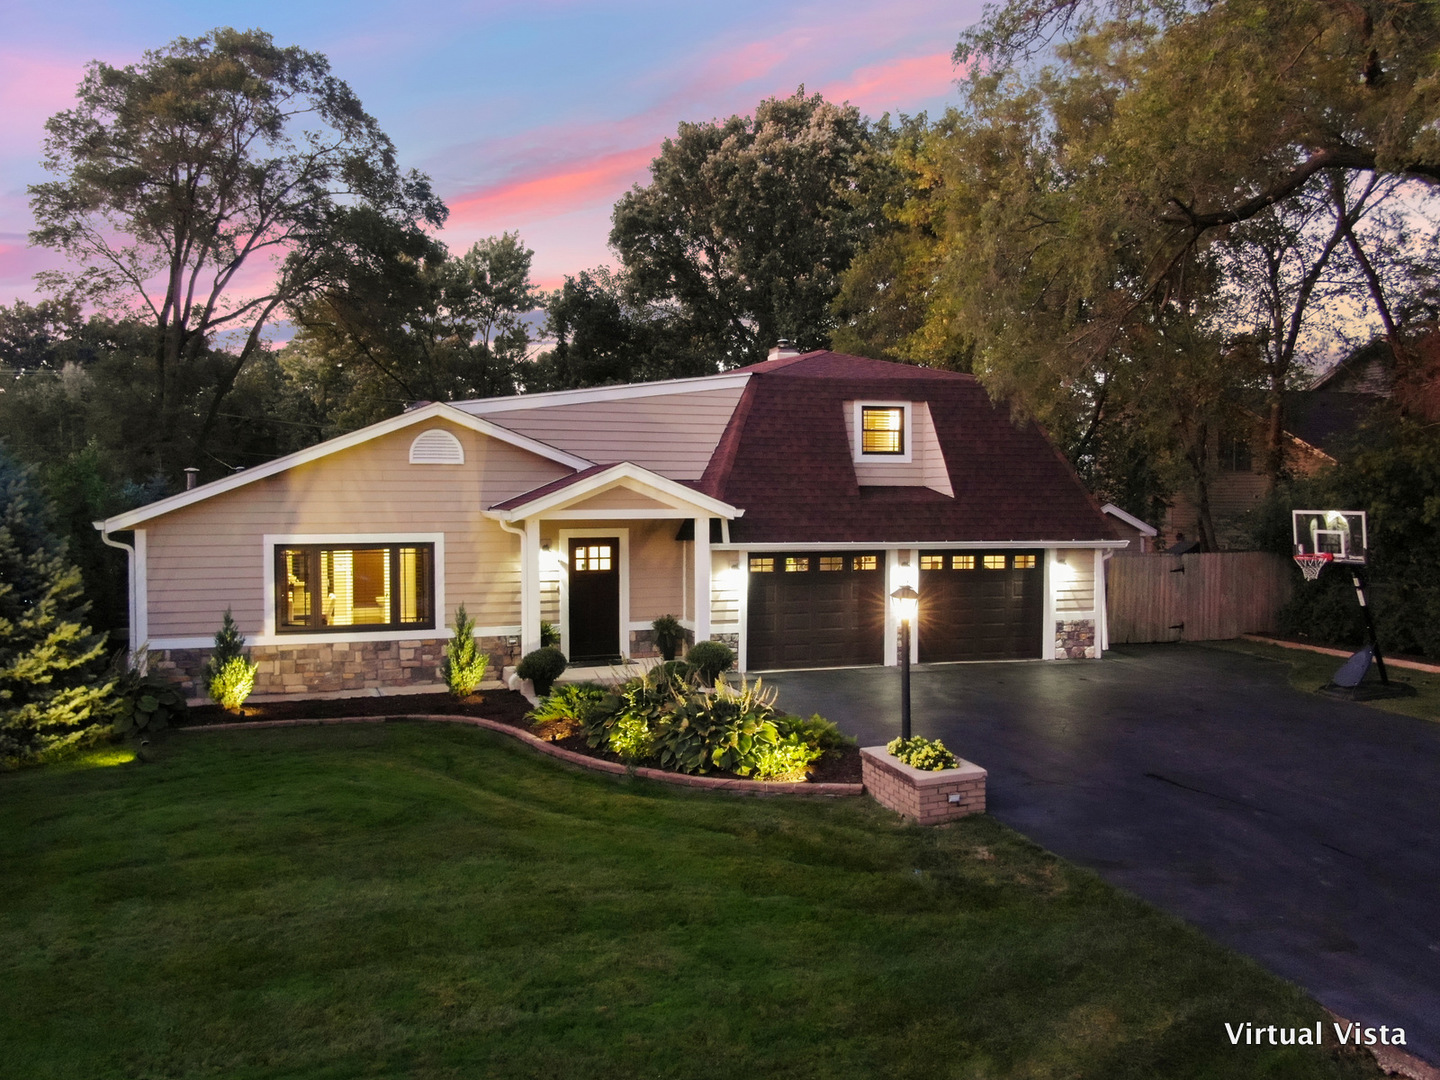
782	349
192	477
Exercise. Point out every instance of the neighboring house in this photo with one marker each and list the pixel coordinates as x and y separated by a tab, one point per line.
1319	422
1128	527
774	507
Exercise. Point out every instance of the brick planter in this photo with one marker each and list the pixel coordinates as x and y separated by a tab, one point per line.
930	798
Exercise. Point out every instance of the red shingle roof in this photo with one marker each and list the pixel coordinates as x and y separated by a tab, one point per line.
786	459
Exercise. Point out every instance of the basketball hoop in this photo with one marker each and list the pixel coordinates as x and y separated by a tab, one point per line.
1311	564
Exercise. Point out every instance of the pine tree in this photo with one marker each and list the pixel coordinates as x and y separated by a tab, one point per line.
228	675
52	691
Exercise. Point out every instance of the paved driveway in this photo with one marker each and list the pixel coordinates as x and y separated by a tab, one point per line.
1300	830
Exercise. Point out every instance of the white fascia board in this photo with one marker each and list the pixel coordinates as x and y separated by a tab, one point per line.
1129	519
662	487
623	392
438	410
911	545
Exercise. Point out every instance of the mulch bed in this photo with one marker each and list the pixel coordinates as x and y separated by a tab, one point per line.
504	706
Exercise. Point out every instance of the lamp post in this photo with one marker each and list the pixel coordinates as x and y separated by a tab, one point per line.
906	601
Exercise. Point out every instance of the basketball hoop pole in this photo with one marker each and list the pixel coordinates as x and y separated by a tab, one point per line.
1357	576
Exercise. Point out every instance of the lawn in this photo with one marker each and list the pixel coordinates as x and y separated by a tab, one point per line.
429	900
1311	670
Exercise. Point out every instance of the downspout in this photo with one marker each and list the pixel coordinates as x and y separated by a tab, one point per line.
135	647
1106	554
513	531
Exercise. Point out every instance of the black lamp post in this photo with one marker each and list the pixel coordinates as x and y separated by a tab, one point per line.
906	601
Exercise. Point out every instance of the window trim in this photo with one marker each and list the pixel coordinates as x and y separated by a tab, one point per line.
273	541
907	412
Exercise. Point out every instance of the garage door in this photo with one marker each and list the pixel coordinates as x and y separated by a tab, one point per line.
981	605
815	610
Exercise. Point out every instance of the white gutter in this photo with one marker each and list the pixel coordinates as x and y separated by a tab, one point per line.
137	639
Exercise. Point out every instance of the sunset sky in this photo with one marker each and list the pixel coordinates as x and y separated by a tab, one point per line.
531	116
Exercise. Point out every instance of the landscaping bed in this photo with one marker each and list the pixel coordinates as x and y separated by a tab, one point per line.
838	766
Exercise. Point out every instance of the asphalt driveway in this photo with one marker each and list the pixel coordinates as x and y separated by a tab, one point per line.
1300	830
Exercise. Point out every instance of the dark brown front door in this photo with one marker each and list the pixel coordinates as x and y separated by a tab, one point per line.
595	600
815	609
981	605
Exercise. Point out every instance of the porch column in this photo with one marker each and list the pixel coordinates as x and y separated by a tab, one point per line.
530	587
702	578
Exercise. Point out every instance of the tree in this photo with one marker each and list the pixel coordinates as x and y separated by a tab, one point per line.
51	692
747	224
410	323
177	174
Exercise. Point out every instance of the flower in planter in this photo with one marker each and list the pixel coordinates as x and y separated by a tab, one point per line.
921	753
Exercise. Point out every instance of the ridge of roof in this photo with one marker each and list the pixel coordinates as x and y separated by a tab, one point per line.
615	392
825	364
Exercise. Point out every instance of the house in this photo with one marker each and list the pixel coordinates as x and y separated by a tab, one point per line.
774	507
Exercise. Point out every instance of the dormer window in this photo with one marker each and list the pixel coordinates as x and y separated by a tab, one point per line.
882	431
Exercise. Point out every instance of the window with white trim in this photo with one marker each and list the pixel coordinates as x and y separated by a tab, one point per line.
319	587
882	431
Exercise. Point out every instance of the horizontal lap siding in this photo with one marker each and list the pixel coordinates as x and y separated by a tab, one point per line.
673	434
210	556
1074	581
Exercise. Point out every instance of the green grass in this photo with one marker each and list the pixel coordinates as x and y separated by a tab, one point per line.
435	901
1311	670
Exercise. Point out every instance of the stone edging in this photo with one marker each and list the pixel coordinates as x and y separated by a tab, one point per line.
1413	665
708	783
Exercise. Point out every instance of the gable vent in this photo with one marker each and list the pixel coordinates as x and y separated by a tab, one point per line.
436	447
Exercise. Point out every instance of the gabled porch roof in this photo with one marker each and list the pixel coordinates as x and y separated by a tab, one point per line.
677	499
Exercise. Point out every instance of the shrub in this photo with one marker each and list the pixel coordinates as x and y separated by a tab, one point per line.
815	731
465	662
669	635
53	696
921	753
726	730
632	738
710	659
228	676
786	761
549	635
145	701
570	708
542	667
649	698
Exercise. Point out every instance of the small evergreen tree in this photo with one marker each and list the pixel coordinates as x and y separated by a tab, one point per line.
228	676
465	663
52	691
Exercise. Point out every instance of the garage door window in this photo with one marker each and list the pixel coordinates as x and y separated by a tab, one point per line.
762	566
866	562
797	565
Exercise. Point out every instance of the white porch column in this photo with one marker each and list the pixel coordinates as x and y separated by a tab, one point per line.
530	587
702	578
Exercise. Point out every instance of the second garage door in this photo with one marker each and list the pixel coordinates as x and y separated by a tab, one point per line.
815	610
982	605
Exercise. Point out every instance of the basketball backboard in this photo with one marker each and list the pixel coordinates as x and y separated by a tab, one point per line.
1337	533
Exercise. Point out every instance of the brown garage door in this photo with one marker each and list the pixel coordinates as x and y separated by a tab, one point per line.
815	609
981	605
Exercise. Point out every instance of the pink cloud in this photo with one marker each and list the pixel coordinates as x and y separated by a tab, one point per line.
897	84
550	191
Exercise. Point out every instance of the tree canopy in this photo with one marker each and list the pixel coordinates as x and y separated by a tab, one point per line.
748	223
178	174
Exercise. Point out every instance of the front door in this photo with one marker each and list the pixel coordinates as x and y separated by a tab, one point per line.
594	599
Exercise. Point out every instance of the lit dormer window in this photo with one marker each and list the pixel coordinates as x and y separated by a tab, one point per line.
882	431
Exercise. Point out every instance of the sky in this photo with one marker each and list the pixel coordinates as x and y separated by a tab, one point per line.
531	117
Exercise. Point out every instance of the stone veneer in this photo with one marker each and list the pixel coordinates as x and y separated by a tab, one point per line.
929	798
1075	640
315	667
642	643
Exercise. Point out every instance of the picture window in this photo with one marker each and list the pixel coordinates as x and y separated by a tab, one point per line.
371	587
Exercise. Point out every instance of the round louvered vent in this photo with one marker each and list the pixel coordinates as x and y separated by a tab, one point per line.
436	447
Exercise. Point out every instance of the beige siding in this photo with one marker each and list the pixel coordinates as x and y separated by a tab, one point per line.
619	498
726	581
1074	580
657	563
673	434
926	467
211	555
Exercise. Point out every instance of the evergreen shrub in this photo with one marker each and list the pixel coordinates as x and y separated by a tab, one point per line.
465	663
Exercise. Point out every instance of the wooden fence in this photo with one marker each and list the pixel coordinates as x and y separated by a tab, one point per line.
1195	597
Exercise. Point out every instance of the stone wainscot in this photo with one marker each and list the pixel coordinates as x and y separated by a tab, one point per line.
1075	640
929	798
328	666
